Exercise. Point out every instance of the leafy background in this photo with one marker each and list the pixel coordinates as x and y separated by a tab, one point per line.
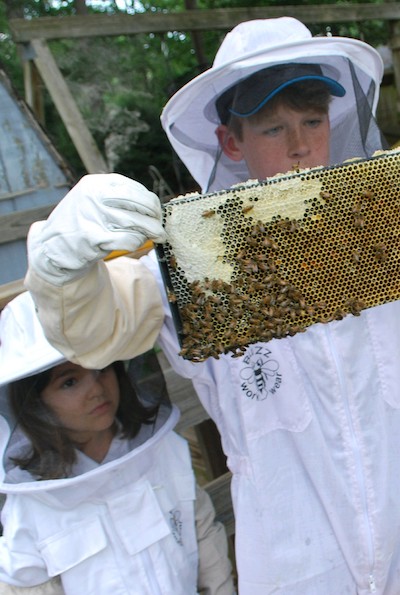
121	83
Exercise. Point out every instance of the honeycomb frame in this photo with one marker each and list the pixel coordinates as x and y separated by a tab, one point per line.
267	260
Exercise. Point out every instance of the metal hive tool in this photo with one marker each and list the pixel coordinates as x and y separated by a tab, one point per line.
267	260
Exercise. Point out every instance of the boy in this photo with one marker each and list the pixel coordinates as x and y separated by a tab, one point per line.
314	451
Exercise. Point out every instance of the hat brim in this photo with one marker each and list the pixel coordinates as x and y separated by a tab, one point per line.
24	349
39	363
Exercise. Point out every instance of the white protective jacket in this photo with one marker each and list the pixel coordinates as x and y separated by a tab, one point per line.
311	428
124	527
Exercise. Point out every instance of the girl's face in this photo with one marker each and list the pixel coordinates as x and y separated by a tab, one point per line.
280	141
85	403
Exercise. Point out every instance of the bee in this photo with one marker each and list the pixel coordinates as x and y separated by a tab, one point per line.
171	296
289	225
296	329
325	195
319	305
207	214
294	226
184	352
247	209
172	262
357	208
217	285
367	194
261	227
356	256
380	252
268	242
249	266
251	241
359	221
339	314
355	306
241	254
197	355
263	267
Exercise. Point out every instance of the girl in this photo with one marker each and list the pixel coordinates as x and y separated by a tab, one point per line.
100	490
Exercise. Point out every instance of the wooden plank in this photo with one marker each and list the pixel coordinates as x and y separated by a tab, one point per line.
15	226
395	46
220	493
67	108
24	30
182	393
34	96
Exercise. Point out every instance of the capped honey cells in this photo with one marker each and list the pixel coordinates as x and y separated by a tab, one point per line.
267	260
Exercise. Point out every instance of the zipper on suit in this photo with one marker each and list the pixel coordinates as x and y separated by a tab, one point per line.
357	456
155	588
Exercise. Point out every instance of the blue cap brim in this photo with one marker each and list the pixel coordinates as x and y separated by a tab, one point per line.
336	89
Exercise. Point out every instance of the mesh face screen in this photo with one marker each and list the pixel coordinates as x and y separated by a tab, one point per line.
267	260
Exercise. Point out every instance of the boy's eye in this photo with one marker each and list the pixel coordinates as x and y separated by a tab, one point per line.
314	123
273	131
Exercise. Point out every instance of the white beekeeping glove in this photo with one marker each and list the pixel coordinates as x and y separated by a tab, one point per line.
102	213
52	587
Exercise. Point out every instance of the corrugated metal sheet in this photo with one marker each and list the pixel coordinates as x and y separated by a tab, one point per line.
32	175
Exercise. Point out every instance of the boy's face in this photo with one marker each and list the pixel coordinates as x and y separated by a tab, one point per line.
279	141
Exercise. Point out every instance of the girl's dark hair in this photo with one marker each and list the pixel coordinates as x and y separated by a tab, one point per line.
301	96
52	452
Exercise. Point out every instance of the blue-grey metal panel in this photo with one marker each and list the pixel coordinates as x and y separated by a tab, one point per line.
32	174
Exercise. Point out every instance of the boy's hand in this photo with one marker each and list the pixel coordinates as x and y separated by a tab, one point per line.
103	212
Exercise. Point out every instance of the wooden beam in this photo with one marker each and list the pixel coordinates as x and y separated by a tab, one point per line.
34	91
220	493
67	108
395	47
15	226
92	25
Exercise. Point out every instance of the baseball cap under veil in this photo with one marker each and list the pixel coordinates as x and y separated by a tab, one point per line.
191	117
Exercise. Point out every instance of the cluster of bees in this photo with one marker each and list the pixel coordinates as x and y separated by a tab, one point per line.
338	259
259	305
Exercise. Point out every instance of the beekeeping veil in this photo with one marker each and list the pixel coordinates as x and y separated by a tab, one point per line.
24	351
351	69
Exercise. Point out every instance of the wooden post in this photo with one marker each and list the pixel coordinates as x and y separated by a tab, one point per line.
67	108
34	91
395	47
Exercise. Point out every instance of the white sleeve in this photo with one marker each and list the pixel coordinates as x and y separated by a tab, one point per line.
21	564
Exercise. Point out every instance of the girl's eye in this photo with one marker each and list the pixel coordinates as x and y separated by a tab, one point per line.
69	383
